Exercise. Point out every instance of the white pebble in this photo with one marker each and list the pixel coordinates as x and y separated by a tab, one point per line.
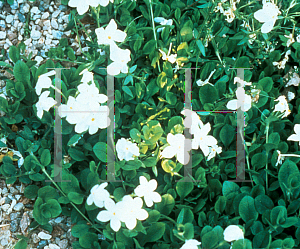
55	13
18	207
51	9
2	34
27	42
53	246
45	15
35	10
25	8
9	18
45	236
54	24
5	207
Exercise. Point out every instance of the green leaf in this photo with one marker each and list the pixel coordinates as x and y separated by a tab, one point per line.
263	203
22	244
259	160
186	34
155	232
77	155
21	72
47	193
74	139
100	151
54	207
220	204
230	189
31	191
69	183
166	205
227	134
37	213
79	230
247	209
201	47
184	188
209	240
185	216
45	157
149	47
266	83
127	90
75	197
208	94
87	240
14	54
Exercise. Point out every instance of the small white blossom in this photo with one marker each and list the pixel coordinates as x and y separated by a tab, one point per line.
146	190
290	96
213	151
126	149
168	57
192	120
229	15
243	100
202	83
44	82
295	137
44	103
290	39
163	21
232	233
120	58
179	147
267	15
191	244
294	81
282	106
98	195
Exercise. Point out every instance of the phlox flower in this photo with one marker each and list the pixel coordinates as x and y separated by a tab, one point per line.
202	83
89	94
295	137
126	149
98	195
219	8
290	39
132	211
229	15
282	156
179	147
83	6
87	76
191	244
168	57
192	120
146	189
44	103
44	82
243	100
112	214
232	233
163	21
213	150
282	106
202	140
110	34
294	81
120	58
267	15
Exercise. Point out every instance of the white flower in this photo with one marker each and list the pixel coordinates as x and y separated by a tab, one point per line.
239	80
213	150
44	103
290	39
252	38
126	149
282	106
246	25
104	3
112	214
168	57
132	211
298	38
229	15
98	195
163	21
89	94
202	140
21	160
95	120
294	81
232	233
192	120
110	34
83	6
120	58
179	146
87	76
202	83
219	8
191	244
44	82
290	96
282	156
295	137
146	189
267	15
243	100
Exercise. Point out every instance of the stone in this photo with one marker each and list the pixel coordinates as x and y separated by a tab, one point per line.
41	8
27	42
25	222
25	9
14	226
44	236
15	5
35	17
19	206
53	246
51	9
2	201
18	196
5	207
59	220
7	200
4	242
47	25
35	34
9	18
57	34
48	41
63	244
39	59
35	238
2	34
20	38
14	216
54	24
34	10
20	1
2	24
63	7
42	244
11	36
55	13
45	15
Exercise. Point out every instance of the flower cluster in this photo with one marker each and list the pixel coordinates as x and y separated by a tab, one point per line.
282	106
129	209
85	110
281	64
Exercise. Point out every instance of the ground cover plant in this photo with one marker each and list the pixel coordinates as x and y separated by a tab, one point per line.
145	45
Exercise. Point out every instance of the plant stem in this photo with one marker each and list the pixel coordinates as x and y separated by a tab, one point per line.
168	218
267	139
154	32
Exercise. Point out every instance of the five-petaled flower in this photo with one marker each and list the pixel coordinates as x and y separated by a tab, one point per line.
146	190
168	57
191	244
44	103
44	81
98	195
126	149
295	137
120	58
162	21
243	101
